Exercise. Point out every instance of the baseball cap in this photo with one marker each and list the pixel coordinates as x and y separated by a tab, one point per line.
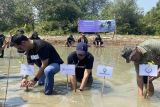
82	47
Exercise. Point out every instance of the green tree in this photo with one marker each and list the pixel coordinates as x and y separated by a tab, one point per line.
14	13
152	20
127	15
24	14
91	8
62	13
6	14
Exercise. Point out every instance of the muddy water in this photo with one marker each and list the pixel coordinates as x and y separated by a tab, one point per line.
119	90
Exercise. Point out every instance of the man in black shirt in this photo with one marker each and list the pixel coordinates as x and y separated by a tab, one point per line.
84	63
70	41
44	55
98	41
35	36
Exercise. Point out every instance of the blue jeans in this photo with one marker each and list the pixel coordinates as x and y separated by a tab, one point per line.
48	77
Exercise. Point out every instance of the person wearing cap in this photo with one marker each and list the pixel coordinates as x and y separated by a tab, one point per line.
84	64
98	41
146	52
44	55
35	36
83	39
70	41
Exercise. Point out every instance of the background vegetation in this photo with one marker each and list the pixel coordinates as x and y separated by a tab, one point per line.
61	16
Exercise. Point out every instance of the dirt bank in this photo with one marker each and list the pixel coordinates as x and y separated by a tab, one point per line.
117	40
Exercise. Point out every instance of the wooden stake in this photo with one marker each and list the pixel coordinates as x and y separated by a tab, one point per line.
67	82
147	91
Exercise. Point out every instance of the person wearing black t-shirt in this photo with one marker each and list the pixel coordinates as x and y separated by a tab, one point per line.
84	64
70	41
35	36
98	41
44	55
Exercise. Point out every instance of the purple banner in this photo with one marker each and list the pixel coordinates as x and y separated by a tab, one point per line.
96	26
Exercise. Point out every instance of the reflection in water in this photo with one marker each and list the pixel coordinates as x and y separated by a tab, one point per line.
15	101
119	91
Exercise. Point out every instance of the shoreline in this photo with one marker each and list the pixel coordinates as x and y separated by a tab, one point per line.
118	40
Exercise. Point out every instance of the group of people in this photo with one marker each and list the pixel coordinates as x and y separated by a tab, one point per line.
97	41
45	56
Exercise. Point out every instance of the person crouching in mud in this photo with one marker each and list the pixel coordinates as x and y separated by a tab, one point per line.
44	55
146	52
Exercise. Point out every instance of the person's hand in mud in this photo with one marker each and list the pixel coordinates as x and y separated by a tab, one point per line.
24	82
153	78
6	42
31	83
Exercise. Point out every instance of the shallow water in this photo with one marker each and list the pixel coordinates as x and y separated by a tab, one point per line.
120	90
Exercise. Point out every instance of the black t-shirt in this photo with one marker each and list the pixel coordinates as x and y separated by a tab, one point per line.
2	38
86	63
70	39
98	39
43	50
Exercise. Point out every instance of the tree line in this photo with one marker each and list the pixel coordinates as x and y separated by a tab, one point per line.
61	16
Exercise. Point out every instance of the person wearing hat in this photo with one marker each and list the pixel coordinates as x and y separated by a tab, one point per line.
146	52
44	55
84	64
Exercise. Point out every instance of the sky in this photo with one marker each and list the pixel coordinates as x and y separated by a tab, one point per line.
147	5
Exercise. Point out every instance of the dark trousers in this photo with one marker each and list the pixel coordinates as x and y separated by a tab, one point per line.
2	54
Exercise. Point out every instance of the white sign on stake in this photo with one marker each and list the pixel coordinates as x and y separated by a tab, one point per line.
67	69
27	69
148	70
104	71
